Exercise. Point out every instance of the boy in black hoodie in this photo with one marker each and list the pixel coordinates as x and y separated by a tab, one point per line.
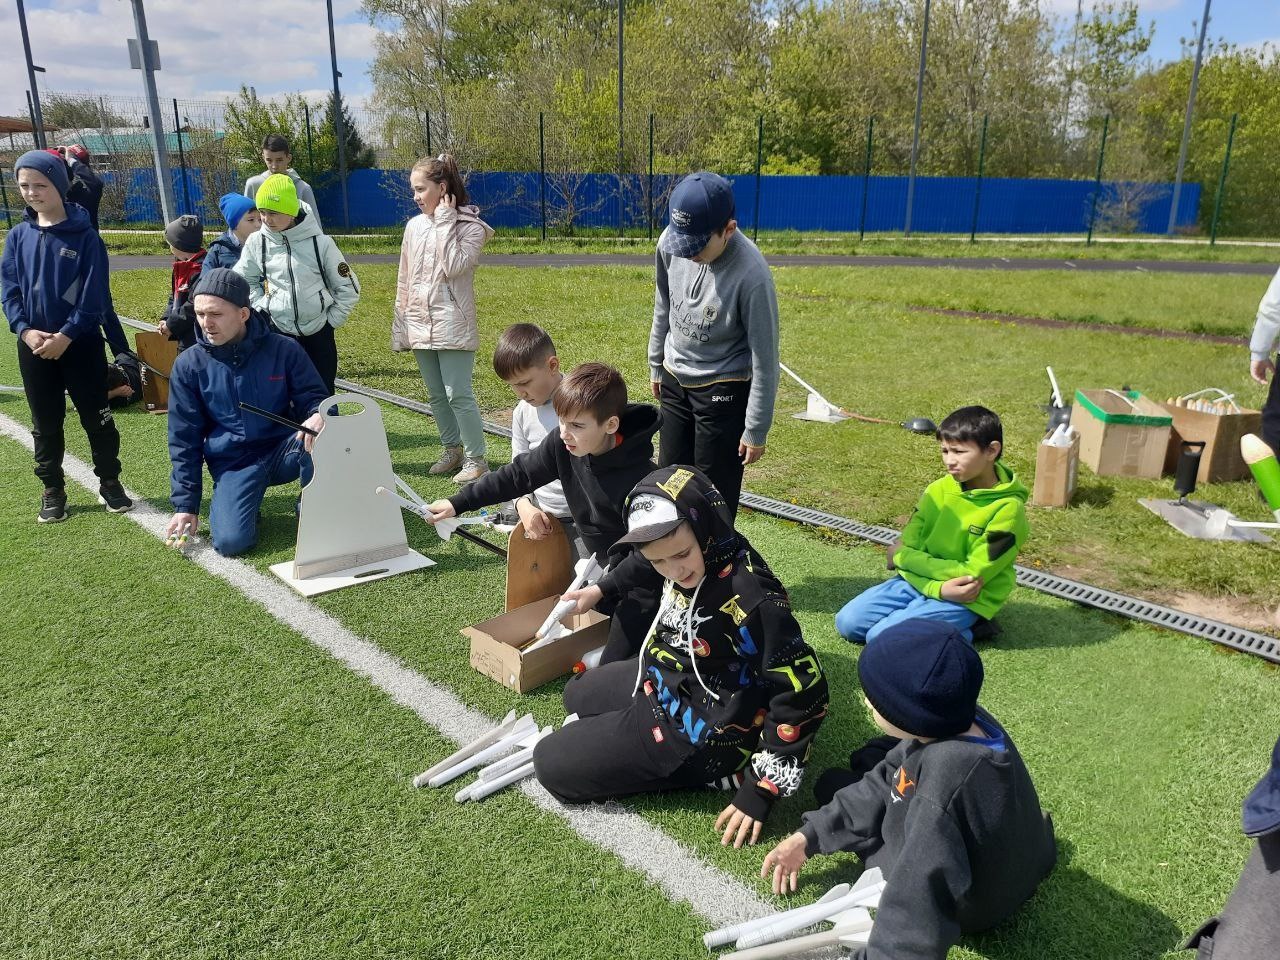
949	814
604	448
725	692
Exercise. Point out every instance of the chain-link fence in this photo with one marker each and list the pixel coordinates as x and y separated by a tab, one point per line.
548	172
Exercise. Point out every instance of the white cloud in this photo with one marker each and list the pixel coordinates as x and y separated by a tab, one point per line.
82	45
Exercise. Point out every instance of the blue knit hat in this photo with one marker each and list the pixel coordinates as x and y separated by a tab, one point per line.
234	206
50	166
923	678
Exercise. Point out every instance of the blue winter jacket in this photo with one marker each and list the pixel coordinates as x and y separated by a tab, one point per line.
207	386
223	252
55	278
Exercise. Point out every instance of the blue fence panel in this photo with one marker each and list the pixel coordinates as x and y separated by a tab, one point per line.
381	198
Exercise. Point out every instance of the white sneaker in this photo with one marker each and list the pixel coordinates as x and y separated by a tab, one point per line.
450	460
472	468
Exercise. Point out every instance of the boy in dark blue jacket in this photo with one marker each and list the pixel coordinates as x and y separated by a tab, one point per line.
237	358
56	294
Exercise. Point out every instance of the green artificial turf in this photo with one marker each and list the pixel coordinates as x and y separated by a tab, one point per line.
184	777
848	332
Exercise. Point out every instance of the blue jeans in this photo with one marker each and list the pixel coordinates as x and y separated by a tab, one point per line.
238	493
877	608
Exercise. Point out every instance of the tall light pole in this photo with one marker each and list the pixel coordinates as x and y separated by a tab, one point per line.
146	63
37	135
915	137
621	160
338	128
1186	123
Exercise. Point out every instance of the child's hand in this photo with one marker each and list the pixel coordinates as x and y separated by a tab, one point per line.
749	453
733	821
537	523
586	598
961	589
1258	369
438	510
53	347
656	387
891	550
447	202
785	860
162	328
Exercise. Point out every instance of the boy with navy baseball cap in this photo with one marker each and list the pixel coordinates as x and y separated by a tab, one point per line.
713	347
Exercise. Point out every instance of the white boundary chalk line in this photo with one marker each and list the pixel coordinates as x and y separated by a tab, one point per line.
679	871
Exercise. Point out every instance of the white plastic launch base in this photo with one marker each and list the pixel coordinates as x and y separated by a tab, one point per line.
1207	521
820	410
347	534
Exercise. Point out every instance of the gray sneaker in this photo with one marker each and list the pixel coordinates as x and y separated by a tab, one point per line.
472	468
53	505
450	460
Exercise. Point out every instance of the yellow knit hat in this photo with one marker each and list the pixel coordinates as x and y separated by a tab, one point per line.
279	194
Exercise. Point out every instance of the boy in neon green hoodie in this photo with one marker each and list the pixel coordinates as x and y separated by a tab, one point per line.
955	557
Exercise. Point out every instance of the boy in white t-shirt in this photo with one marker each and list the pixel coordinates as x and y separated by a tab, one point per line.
525	358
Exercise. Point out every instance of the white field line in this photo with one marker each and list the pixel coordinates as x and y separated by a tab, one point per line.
681	873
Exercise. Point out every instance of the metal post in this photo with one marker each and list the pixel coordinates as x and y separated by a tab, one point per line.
649	188
35	127
4	196
164	178
1222	181
542	173
977	190
866	179
338	130
182	160
755	220
311	154
915	136
37	134
1186	122
621	160
1097	180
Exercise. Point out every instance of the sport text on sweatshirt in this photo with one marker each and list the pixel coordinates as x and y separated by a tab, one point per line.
955	532
719	321
957	829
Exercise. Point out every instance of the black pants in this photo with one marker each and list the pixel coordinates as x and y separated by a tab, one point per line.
701	426
619	746
1271	415
323	351
82	372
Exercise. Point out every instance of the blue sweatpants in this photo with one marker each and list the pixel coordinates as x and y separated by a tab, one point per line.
238	493
863	618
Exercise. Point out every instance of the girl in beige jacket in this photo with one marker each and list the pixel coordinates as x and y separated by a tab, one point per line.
435	310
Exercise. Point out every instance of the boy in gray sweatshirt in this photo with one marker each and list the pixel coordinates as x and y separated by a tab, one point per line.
949	814
713	348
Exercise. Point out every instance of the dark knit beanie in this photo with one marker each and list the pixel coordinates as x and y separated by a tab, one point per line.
185	234
923	678
225	283
49	165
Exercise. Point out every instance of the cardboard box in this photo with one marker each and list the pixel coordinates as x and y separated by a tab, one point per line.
495	645
1057	469
1221	461
1121	434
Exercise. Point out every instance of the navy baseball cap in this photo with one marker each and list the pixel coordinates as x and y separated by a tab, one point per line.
701	204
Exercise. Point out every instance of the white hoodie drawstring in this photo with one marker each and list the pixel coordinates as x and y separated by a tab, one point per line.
688	637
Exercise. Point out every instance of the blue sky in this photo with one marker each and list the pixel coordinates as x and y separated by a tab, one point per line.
208	47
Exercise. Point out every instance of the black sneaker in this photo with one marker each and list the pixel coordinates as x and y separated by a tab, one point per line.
112	496
53	505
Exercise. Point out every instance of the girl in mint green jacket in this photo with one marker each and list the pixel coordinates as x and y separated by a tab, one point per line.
298	276
955	558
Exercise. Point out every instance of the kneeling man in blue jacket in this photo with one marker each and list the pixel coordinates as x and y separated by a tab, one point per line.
237	358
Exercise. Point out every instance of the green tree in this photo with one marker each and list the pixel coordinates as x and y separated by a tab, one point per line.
249	119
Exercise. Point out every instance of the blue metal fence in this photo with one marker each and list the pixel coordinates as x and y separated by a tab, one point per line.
380	198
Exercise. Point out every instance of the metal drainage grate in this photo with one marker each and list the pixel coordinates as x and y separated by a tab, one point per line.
1237	638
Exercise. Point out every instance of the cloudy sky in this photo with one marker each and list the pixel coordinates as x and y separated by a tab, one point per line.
209	47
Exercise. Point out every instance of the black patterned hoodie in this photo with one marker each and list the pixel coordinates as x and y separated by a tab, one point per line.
726	660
